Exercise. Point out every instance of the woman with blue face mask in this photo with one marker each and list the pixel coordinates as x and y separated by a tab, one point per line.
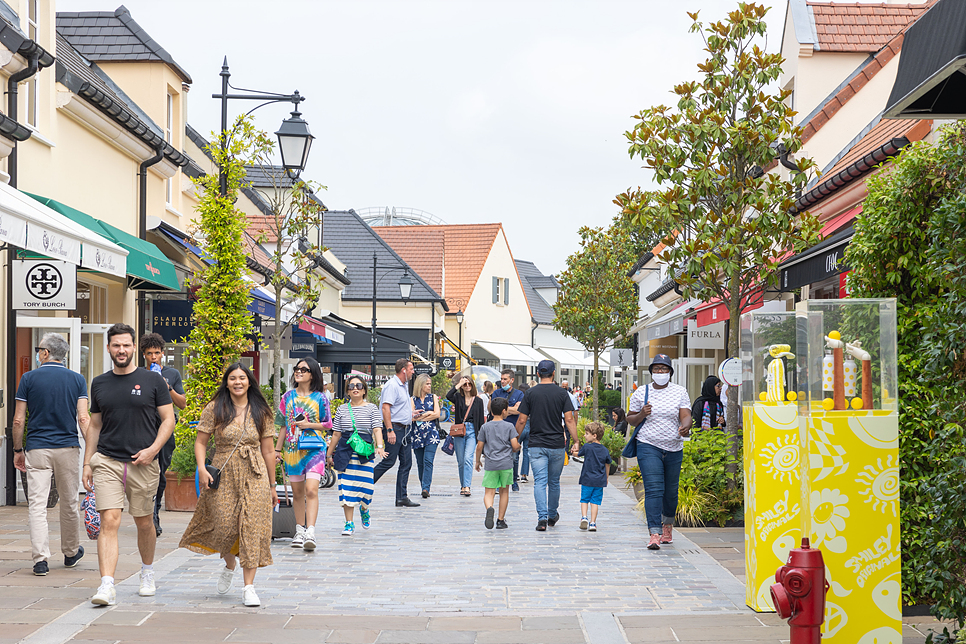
664	408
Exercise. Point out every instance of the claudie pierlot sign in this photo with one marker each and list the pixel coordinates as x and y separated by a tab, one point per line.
706	337
172	319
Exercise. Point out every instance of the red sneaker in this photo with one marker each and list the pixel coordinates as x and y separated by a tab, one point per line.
655	542
666	536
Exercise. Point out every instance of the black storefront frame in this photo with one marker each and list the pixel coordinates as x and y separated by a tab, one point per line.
819	262
355	350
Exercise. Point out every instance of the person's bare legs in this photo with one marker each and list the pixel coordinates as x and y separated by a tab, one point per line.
107	541
488	495
249	575
311	488
229	560
348	511
583	510
298	501
147	538
504	501
593	512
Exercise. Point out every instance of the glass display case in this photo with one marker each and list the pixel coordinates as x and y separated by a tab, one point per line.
771	456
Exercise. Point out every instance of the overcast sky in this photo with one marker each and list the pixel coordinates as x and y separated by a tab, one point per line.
496	111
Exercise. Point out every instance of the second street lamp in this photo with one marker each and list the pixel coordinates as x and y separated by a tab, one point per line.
405	290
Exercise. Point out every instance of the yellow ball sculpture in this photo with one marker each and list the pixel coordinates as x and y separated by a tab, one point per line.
856	403
762	396
835	335
828	404
792	396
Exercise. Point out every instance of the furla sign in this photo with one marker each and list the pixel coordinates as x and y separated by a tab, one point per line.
706	337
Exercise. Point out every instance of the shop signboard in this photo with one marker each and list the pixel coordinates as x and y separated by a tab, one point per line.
621	358
711	336
172	319
303	345
449	363
44	285
428	368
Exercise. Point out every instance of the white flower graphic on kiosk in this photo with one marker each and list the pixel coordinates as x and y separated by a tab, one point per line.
829	512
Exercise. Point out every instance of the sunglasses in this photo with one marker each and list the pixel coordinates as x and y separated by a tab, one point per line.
301	370
355	385
39	349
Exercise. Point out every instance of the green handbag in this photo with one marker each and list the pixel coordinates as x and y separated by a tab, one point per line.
357	443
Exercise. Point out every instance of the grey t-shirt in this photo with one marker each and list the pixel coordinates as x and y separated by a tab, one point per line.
496	436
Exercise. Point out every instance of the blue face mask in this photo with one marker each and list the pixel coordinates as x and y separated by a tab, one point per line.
506	387
37	358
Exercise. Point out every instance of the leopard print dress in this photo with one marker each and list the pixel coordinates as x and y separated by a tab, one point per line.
237	517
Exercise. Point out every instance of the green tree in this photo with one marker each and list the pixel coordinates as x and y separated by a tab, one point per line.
596	303
909	244
222	320
642	237
725	221
290	232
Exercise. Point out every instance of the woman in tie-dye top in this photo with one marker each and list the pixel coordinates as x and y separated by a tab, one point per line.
308	398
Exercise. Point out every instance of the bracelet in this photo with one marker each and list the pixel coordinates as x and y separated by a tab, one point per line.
278	451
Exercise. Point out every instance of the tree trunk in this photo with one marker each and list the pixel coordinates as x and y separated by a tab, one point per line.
734	331
277	350
596	382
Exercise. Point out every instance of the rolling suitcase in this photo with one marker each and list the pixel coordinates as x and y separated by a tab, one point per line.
283	518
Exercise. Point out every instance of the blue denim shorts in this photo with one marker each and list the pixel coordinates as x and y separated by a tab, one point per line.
592	495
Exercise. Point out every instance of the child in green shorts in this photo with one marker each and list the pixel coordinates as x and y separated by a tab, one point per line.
497	440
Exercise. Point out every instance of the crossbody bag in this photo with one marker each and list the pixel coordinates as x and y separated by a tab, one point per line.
630	450
357	443
215	472
459	429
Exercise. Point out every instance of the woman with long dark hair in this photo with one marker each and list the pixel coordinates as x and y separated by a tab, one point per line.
236	518
620	421
305	409
467	409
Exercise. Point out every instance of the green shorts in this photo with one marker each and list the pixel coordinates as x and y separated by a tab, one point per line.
497	478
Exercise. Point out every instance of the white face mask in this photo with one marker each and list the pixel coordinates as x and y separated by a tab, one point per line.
661	379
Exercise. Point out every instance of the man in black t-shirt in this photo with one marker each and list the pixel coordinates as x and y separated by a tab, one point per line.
131	420
549	409
152	348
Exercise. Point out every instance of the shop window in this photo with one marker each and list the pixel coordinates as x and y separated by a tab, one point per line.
91	304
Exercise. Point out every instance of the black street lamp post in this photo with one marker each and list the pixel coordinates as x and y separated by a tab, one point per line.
405	290
459	320
294	137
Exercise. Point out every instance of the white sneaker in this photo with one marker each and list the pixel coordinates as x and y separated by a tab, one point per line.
225	580
309	538
105	595
249	598
147	584
584	523
299	539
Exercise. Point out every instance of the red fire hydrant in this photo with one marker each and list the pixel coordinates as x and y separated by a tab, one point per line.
799	595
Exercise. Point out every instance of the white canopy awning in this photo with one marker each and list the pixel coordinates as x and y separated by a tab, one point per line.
512	354
28	224
574	359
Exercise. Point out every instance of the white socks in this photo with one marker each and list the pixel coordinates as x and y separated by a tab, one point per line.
107	580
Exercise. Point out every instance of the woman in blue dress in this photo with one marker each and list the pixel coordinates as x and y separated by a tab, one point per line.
425	430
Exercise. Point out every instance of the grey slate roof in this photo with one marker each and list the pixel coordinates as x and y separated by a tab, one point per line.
353	242
113	36
532	279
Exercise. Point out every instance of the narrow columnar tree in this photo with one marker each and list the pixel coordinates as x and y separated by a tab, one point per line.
726	222
596	304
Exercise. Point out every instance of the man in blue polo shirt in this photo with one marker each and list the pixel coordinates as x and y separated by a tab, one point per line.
56	399
397	419
513	399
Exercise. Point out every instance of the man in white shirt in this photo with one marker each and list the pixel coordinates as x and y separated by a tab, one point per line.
397	419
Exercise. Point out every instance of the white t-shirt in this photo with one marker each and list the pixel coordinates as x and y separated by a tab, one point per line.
661	427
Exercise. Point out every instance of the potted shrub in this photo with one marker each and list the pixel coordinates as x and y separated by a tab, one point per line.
633	479
180	494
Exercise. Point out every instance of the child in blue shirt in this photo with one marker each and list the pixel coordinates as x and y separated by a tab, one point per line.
593	474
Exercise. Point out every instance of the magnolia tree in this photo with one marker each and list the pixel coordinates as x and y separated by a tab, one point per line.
597	303
290	232
726	221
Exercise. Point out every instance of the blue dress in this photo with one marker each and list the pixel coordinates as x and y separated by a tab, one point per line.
425	433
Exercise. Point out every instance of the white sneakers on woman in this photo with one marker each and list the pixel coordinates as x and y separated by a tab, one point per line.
298	540
225	580
309	538
249	597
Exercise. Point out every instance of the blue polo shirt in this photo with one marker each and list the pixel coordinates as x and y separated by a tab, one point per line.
512	397
51	392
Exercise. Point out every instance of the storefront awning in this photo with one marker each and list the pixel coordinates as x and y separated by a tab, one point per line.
717	311
511	354
819	262
672	322
574	359
931	77
147	268
356	347
28	224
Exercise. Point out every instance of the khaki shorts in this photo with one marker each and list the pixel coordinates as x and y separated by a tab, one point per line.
113	480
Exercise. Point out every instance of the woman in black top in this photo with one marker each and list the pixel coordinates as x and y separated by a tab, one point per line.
620	421
464	396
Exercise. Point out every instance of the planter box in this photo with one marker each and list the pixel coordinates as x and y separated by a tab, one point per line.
639	491
180	496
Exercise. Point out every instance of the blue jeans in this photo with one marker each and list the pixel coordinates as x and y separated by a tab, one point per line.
524	469
661	471
424	457
547	466
465	454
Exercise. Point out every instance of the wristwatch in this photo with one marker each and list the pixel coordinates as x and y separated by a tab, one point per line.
17	451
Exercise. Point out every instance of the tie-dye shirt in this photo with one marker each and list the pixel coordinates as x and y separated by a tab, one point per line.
315	406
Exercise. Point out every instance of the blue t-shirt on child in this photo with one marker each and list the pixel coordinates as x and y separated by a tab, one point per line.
596	459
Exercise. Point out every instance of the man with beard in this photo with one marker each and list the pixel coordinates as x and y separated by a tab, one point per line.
131	420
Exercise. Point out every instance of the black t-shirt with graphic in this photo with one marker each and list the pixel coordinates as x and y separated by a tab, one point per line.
128	405
544	405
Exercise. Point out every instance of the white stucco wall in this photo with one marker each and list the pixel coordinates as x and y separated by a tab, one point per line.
497	322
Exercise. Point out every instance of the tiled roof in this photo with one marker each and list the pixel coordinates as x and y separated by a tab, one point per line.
860	27
884	131
354	242
267	178
424	252
465	249
532	279
113	36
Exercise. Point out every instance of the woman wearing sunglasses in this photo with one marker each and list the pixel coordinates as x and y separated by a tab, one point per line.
306	411
357	416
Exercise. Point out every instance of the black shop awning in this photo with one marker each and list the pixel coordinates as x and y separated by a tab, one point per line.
819	262
931	79
356	347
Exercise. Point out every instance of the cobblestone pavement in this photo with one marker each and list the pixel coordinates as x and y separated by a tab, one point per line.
427	574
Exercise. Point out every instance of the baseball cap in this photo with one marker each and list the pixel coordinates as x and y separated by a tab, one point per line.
660	359
546	367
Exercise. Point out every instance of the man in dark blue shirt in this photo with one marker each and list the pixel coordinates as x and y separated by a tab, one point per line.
56	399
513	399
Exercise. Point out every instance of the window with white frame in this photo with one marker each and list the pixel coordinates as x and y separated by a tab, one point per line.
32	32
168	130
501	288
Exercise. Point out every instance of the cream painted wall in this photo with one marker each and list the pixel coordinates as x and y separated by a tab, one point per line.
819	75
497	323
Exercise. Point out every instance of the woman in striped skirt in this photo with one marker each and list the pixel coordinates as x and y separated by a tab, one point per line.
355	471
